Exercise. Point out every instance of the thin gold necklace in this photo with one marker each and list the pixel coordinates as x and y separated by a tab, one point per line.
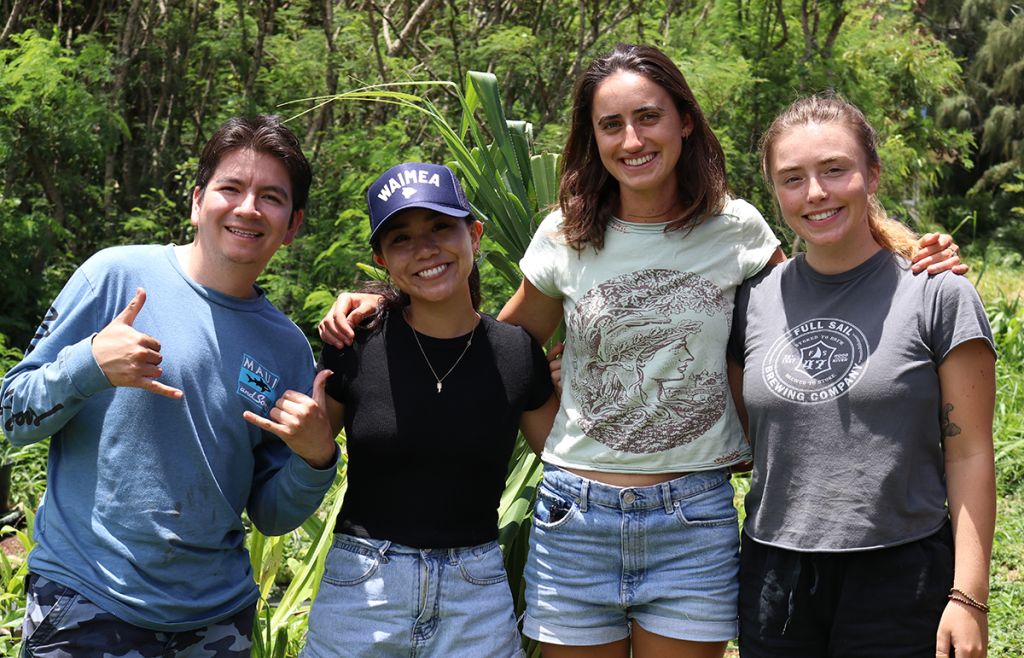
465	349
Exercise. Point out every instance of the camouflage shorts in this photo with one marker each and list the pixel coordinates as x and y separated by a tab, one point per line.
61	623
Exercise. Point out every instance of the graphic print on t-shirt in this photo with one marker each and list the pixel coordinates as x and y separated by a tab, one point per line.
257	384
816	361
623	326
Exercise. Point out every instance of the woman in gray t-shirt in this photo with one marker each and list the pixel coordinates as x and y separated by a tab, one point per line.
869	395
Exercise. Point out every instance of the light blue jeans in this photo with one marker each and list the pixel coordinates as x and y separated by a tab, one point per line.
604	557
387	600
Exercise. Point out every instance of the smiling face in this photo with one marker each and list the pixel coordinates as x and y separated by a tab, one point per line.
823	182
429	255
241	218
639	134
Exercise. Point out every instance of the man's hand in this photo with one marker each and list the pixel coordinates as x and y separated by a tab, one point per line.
937	252
302	423
349	309
128	357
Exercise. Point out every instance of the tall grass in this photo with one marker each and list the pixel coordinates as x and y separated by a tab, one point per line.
13	570
1007	319
1006	600
283	608
1006	621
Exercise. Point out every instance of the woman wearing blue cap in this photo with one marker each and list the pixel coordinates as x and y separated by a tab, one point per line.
431	387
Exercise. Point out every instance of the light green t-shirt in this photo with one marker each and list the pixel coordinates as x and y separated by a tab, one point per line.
644	386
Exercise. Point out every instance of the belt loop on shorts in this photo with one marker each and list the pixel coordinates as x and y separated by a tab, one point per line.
584	493
666	497
383	551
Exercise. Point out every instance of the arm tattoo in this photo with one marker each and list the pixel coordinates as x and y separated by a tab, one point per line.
949	428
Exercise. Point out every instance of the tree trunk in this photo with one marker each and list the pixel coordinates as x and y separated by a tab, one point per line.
264	26
412	26
12	21
122	63
317	127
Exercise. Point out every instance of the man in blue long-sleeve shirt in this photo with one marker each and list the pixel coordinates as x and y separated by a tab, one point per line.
176	397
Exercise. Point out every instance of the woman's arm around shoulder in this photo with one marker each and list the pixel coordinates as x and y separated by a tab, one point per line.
350	308
937	252
967	383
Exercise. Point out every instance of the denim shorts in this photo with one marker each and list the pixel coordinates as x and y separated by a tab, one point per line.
603	557
382	599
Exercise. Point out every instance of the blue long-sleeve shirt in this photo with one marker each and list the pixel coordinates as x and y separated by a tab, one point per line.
142	514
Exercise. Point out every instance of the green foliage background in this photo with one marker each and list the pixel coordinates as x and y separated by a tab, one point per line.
104	105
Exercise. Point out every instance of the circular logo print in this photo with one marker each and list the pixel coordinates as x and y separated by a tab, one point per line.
816	361
637	384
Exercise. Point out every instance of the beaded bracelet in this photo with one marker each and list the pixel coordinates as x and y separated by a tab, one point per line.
960	596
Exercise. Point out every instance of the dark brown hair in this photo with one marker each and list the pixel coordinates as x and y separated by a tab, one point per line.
890	234
588	195
263	134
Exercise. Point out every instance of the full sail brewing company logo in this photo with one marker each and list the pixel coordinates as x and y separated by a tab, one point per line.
816	361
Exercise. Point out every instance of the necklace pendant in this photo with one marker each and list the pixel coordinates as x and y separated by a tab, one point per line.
438	387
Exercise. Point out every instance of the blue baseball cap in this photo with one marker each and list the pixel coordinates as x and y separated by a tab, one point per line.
414	185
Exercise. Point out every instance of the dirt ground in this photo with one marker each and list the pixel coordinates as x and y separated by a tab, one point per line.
11	546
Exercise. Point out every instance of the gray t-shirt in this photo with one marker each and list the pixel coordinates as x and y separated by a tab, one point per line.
842	390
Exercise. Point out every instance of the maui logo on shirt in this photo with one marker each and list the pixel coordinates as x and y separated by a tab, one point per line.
257	384
819	360
405	180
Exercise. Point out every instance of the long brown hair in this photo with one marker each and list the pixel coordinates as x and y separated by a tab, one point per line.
588	195
890	234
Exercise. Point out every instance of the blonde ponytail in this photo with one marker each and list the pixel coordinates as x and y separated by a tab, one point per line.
892	235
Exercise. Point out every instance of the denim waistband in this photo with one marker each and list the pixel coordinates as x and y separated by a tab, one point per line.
384	547
590	492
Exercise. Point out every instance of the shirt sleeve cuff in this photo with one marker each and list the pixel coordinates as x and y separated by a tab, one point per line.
307	477
80	367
